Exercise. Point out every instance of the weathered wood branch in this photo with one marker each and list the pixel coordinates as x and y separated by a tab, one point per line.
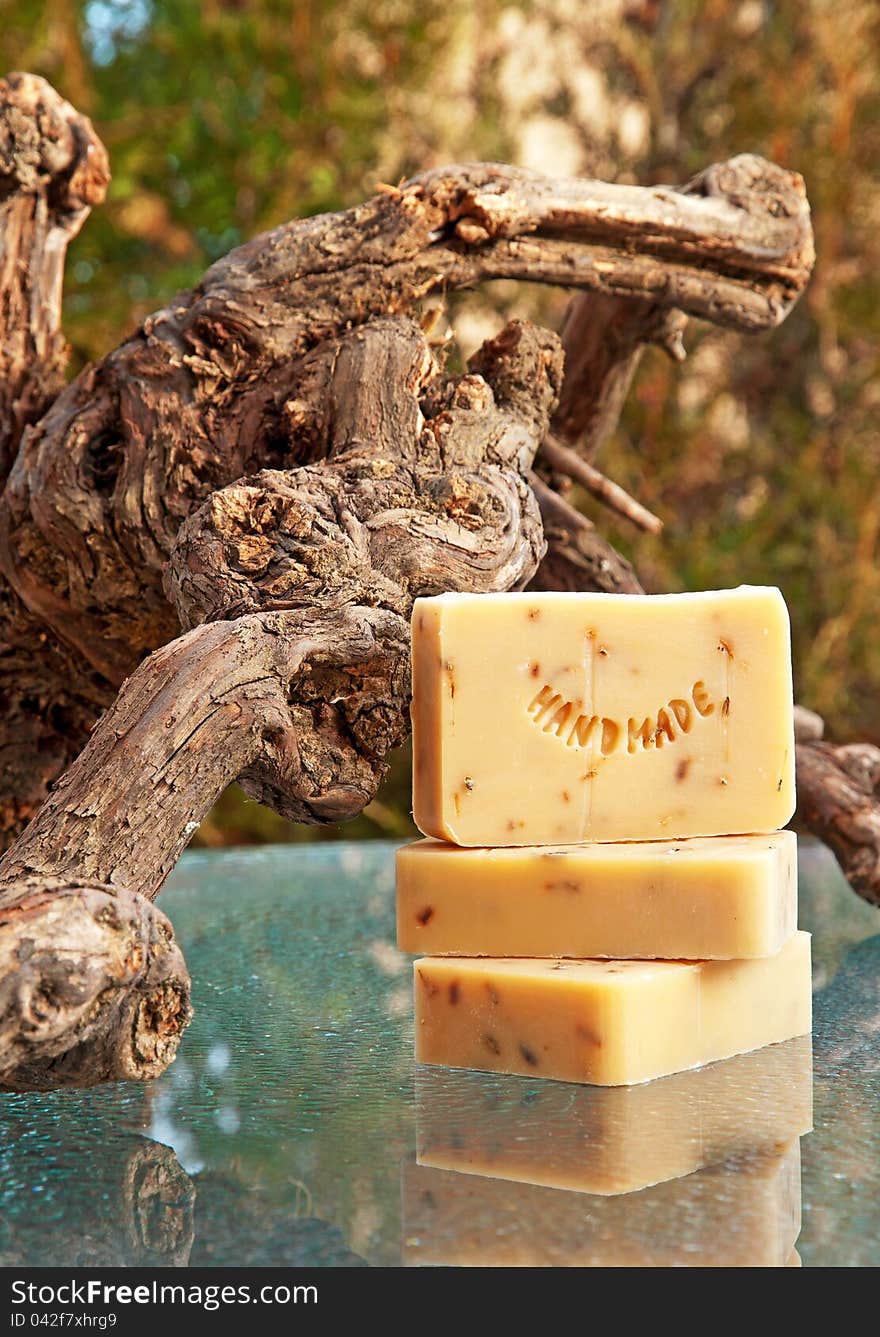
300	696
277	462
92	985
53	168
604	338
205	709
839	800
232	379
220	384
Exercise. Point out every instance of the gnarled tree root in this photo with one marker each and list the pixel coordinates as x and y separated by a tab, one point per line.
301	703
239	376
278	463
93	986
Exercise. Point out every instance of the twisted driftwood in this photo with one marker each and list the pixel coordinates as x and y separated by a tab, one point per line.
275	466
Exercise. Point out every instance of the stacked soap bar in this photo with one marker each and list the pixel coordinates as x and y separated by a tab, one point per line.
722	896
607	1022
541	719
608	895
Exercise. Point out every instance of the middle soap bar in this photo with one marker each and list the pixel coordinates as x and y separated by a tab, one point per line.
710	897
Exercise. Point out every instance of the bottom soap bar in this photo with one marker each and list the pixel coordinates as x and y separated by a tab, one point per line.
610	1023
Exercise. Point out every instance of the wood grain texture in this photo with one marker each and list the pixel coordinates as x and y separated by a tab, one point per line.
53	169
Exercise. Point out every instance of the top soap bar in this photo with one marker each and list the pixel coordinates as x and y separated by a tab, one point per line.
557	718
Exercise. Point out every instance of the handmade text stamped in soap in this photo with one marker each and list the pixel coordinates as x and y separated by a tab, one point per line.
554	715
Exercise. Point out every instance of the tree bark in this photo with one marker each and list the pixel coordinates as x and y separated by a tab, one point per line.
53	168
276	464
604	338
294	678
577	556
838	802
229	379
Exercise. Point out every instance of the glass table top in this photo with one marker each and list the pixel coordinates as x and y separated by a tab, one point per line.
296	1129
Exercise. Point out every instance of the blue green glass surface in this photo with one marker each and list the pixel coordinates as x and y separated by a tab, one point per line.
282	1133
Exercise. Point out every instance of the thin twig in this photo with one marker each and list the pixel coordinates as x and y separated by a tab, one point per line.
555	508
578	557
569	463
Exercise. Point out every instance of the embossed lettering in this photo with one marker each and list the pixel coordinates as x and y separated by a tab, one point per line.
644	731
558	721
702	700
682	712
554	715
664	727
582	730
611	732
545	700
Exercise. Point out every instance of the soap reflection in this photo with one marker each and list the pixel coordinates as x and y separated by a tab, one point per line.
746	1213
611	1140
698	1169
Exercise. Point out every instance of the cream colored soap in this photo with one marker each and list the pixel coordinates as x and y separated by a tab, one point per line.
744	1213
552	718
731	896
611	1140
609	1023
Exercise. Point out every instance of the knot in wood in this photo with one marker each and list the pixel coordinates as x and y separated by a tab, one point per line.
422	473
46	145
93	986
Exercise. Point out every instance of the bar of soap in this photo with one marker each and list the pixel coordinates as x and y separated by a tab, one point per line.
609	1023
731	896
552	718
611	1140
744	1213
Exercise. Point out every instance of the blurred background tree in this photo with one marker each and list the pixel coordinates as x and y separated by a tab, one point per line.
223	118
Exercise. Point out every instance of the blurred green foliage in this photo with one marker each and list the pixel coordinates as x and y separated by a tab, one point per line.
761	453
